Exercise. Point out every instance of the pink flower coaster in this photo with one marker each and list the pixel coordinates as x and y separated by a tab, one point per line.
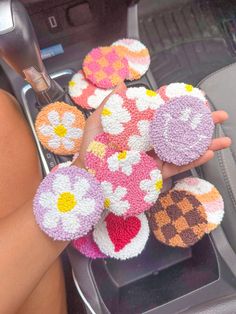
68	203
105	68
181	130
137	55
208	196
121	238
84	93
130	180
173	90
59	128
87	246
126	117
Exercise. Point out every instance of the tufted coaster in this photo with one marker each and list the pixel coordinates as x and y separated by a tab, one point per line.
130	180
104	67
137	56
178	219
121	238
61	165
59	128
87	246
208	196
173	90
126	117
84	93
68	203
181	130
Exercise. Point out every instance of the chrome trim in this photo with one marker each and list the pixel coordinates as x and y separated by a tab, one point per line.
24	91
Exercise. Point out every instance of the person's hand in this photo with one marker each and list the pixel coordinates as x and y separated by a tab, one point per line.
93	127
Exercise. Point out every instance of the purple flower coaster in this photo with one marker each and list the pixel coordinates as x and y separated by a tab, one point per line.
181	130
68	203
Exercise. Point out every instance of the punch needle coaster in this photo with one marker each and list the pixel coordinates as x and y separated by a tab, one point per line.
121	238
59	128
84	93
105	68
130	180
137	55
209	197
181	130
174	90
87	246
126	117
178	219
68	203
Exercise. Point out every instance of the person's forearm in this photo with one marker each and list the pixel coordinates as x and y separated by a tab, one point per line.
25	255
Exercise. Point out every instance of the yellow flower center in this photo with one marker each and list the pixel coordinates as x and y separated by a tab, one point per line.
107	203
158	185
188	87
150	93
106	112
66	202
72	83
122	155
60	130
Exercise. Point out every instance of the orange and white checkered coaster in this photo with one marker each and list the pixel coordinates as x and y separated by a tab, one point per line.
178	219
59	128
105	67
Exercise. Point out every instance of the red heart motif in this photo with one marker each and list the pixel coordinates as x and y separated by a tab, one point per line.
122	230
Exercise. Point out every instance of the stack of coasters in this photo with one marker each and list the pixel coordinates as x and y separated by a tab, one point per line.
209	197
178	219
68	203
130	180
121	238
104	67
87	246
181	130
59	128
184	214
126	117
137	55
173	90
84	93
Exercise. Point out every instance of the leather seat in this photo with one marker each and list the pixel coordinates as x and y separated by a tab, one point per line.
220	88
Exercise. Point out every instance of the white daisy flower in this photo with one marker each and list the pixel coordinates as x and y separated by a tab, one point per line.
77	84
95	100
145	98
182	89
152	187
60	130
65	203
114	115
141	142
114	198
123	161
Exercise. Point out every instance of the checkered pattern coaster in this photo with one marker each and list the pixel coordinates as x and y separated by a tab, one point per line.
178	219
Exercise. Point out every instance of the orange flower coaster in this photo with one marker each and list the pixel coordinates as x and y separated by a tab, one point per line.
137	55
105	68
59	128
178	219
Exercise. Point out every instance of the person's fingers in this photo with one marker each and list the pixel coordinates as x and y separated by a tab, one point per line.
220	143
169	170
219	116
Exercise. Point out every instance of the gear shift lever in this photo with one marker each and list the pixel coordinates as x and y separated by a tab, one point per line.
19	48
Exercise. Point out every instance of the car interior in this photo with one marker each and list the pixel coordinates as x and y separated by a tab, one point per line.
192	41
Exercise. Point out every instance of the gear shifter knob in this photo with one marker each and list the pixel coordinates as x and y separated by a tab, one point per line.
19	48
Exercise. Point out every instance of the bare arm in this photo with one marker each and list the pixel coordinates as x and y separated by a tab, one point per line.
26	254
